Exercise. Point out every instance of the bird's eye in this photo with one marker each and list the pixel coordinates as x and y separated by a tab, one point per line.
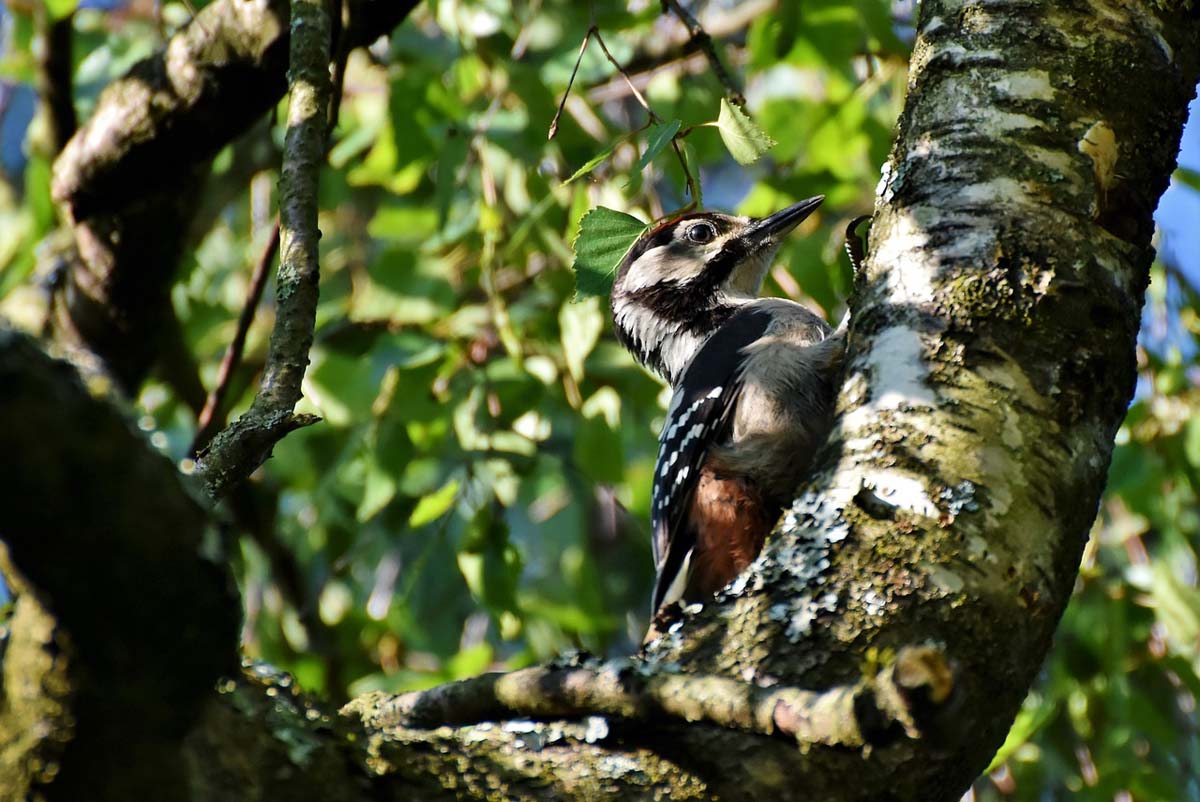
701	233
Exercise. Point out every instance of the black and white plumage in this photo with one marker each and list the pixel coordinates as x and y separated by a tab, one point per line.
753	388
700	416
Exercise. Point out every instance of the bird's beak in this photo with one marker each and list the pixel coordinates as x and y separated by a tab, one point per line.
770	230
759	241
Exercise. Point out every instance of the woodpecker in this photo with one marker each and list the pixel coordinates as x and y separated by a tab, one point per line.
753	386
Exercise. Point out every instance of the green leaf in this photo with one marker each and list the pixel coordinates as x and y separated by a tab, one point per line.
744	139
379	488
434	505
491	567
605	236
61	8
1187	177
590	164
660	136
1035	714
580	325
1191	442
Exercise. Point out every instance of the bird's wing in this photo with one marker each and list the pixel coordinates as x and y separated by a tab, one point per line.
700	415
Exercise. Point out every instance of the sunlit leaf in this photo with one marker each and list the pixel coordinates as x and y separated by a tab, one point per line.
61	8
1191	442
660	137
605	236
1187	177
744	139
434	505
589	165
581	324
491	565
470	661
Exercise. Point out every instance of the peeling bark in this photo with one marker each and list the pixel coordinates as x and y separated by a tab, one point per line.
990	363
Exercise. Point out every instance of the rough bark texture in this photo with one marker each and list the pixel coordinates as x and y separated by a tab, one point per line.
990	363
121	624
236	452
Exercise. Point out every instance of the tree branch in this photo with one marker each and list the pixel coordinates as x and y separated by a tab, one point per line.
704	42
129	177
991	359
239	450
211	419
853	716
118	604
55	86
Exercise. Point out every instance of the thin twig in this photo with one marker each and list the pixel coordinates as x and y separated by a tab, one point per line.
54	76
703	41
209	421
582	47
692	187
621	70
238	450
693	190
341	57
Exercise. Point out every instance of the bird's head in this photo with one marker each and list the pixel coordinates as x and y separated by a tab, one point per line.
685	276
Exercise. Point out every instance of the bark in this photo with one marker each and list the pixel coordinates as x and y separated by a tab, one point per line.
121	623
236	452
929	559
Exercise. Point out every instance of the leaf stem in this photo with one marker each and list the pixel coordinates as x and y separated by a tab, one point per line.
705	43
562	104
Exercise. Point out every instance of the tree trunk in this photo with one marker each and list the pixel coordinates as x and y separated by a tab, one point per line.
913	587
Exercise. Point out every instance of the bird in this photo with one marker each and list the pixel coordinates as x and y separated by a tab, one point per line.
753	383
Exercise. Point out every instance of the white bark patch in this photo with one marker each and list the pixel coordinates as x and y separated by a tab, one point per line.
1058	161
942	578
902	491
910	271
898	370
910	265
996	122
1025	85
956	55
996	192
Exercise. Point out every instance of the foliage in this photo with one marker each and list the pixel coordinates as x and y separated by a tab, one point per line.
477	495
605	236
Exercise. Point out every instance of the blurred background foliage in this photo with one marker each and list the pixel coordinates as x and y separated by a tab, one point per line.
477	496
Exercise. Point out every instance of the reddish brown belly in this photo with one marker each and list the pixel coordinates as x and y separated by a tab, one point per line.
731	519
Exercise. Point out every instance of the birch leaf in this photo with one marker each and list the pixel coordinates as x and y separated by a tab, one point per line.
605	236
744	139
